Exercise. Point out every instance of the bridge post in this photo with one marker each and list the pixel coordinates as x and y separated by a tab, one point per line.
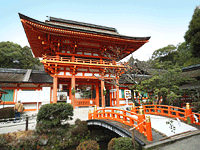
188	112
133	109
94	113
148	129
124	118
141	118
169	111
89	115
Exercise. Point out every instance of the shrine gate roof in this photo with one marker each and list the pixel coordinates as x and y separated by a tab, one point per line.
79	30
81	25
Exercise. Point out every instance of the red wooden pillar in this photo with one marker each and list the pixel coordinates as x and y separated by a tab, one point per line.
97	94
117	92
110	97
55	84
148	129
70	92
102	96
92	88
73	86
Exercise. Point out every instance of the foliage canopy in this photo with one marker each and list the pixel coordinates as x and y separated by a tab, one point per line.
192	36
51	116
14	56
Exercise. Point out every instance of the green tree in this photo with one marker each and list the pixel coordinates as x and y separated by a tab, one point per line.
184	56
28	61
166	72
165	84
14	56
164	58
192	36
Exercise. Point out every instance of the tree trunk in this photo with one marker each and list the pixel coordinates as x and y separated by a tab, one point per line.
164	101
132	95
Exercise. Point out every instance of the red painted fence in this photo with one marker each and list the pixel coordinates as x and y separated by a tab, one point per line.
136	117
171	111
138	121
85	102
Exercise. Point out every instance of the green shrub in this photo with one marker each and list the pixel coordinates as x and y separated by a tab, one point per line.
29	143
122	143
54	142
50	116
77	121
71	138
88	145
80	130
5	139
111	144
7	112
79	133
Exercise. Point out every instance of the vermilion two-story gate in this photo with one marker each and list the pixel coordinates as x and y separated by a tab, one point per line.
76	53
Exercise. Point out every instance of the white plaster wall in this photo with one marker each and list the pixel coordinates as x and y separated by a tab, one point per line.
1	106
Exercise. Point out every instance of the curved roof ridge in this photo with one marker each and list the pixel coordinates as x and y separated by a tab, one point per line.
88	31
81	23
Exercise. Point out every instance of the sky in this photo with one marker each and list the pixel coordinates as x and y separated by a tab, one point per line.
166	21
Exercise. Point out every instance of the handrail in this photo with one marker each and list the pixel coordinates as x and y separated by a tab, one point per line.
136	117
126	117
171	111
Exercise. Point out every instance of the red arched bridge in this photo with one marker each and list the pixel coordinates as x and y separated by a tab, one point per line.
136	118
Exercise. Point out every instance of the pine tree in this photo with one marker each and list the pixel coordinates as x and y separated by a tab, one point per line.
192	36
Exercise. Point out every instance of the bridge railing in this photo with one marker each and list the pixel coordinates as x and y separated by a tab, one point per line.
171	111
135	120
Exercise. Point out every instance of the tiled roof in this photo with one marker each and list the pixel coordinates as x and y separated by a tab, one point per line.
192	73
18	75
83	27
193	67
11	77
190	86
40	78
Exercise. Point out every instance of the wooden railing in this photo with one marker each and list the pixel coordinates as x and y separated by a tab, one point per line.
80	60
136	117
171	111
126	117
85	102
